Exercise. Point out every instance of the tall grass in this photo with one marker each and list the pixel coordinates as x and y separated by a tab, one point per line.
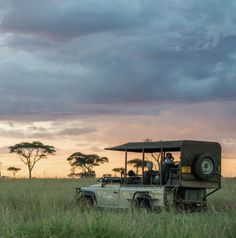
46	208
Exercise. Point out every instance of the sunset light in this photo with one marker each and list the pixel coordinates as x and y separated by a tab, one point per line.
83	85
117	118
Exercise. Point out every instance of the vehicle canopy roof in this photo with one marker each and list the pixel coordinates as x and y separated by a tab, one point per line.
177	145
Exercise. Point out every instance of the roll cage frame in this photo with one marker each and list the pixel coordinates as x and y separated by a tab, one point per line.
188	149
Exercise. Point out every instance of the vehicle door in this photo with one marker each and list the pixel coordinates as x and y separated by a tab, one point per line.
108	195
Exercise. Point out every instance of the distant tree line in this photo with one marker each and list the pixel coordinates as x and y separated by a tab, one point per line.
82	165
31	152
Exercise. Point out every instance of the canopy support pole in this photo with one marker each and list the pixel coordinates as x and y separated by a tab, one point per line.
143	157
162	158
126	161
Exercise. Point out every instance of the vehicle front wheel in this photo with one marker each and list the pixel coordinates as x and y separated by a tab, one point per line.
84	202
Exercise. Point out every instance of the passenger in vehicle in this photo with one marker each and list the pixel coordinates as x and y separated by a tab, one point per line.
131	177
147	175
167	166
169	159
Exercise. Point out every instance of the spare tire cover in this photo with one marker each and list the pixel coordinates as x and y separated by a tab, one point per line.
204	166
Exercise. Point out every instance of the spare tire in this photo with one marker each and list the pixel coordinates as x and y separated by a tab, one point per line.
204	166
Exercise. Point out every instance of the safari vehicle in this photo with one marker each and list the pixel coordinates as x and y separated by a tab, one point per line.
186	184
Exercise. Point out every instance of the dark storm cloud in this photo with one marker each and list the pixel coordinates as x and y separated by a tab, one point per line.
63	20
64	58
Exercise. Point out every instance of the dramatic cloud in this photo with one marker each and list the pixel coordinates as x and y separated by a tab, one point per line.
101	72
58	56
63	20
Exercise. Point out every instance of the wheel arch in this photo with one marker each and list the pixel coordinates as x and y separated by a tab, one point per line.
90	195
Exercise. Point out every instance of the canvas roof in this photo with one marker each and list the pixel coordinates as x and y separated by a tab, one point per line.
157	146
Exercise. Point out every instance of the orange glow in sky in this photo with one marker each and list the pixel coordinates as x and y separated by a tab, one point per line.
92	135
83	78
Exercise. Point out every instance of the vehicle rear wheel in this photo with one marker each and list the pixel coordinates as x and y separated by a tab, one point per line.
204	167
142	204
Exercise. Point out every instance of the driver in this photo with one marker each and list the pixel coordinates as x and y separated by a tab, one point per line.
169	159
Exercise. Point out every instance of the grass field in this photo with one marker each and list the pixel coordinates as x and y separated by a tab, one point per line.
46	208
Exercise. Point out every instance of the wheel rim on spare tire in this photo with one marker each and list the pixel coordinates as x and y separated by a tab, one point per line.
207	166
204	166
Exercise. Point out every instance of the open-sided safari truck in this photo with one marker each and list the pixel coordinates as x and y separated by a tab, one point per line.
184	184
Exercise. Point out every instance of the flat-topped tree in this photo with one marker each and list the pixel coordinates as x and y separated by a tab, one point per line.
137	163
31	153
86	162
119	170
73	173
14	170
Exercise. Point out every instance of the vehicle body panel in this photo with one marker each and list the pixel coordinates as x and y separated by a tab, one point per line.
121	196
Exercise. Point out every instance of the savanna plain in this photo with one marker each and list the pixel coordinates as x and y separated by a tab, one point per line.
46	208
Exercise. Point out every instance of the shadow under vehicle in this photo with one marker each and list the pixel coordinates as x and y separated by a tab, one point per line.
184	185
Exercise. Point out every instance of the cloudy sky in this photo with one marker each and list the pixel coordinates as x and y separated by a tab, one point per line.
84	75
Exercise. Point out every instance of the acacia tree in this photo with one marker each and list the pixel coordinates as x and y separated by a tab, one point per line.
119	170
14	170
31	153
73	173
86	162
137	163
